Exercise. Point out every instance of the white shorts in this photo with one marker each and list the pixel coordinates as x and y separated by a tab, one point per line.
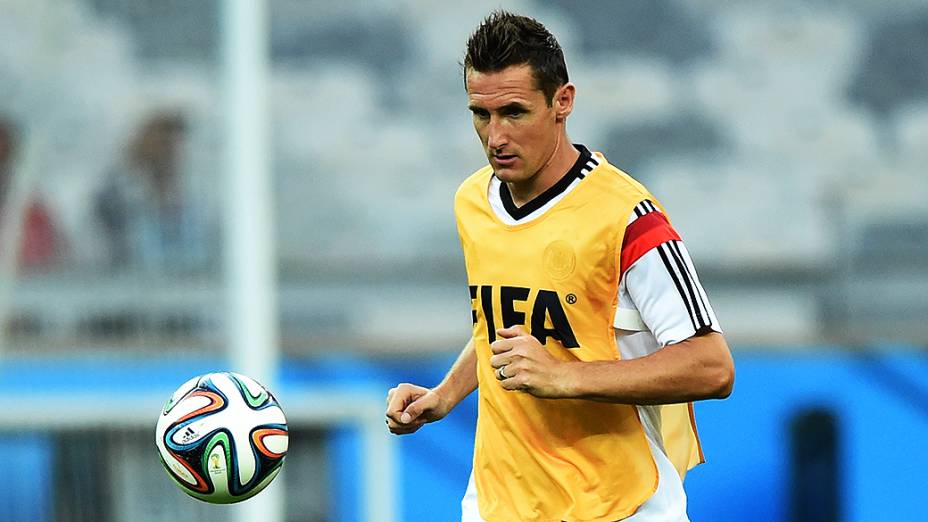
667	504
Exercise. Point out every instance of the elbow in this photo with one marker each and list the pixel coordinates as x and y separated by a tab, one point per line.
723	381
720	378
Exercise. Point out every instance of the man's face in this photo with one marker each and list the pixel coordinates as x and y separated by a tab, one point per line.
518	129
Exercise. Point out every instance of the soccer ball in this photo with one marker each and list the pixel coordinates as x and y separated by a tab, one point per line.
222	437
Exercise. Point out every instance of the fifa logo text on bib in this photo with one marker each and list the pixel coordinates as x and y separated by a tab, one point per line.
547	319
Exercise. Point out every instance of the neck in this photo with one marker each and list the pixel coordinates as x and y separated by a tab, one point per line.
557	164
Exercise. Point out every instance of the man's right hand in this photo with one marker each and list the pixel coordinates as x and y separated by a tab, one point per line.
410	406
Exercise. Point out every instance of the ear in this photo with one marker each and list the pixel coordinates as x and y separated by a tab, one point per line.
564	102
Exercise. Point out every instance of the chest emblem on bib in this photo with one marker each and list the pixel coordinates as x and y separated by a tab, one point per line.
559	260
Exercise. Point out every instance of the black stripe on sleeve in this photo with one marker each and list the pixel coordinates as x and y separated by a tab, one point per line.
676	281
688	282
645	207
691	272
590	165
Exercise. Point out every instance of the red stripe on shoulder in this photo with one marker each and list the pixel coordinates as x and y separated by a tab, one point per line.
643	234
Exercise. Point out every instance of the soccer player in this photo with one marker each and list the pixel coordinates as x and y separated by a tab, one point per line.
592	333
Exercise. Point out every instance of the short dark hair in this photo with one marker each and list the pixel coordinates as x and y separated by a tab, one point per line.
505	39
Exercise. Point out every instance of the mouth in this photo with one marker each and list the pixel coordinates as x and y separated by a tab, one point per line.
504	160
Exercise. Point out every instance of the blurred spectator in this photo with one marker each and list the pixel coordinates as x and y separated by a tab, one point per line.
147	216
41	244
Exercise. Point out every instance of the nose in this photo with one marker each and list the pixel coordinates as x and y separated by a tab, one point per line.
496	135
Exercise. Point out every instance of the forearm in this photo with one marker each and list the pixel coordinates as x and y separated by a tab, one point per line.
697	368
461	379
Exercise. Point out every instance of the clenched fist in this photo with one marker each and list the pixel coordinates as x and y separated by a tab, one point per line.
409	407
522	363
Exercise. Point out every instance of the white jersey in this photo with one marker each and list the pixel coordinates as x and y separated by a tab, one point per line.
661	302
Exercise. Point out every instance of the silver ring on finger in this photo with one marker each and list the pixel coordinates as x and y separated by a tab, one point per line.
499	373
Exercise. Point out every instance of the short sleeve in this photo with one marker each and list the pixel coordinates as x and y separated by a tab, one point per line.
659	289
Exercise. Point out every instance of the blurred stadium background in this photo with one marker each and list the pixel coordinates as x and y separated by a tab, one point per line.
789	141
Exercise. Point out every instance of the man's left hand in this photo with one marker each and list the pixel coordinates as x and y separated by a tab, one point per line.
522	363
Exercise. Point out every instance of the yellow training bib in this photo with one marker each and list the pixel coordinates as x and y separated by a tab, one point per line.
553	459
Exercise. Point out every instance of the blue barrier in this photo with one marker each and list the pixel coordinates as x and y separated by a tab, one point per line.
26	494
880	401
